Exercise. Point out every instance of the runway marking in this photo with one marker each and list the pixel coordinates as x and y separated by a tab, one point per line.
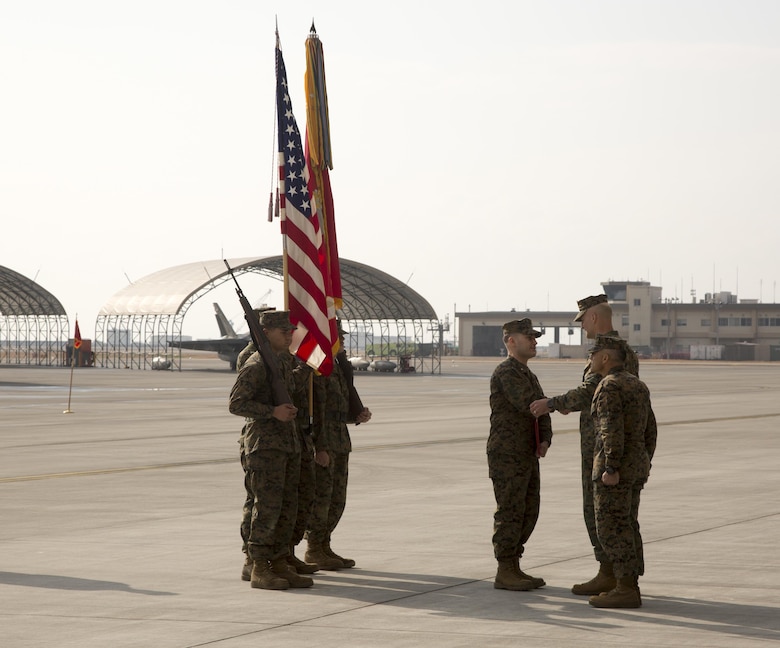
379	446
206	462
112	471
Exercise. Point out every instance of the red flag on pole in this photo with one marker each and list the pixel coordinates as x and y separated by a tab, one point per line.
76	345
77	337
304	249
319	160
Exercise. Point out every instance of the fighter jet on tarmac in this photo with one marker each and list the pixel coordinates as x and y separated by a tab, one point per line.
227	347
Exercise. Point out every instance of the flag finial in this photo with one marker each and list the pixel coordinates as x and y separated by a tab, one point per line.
313	30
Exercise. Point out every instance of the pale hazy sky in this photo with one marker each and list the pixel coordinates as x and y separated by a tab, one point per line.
495	154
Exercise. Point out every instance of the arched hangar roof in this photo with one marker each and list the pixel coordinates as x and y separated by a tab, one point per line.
368	293
22	297
33	323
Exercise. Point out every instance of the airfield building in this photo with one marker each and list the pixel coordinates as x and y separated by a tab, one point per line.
717	327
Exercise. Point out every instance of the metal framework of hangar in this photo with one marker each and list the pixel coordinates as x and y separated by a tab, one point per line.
383	316
33	324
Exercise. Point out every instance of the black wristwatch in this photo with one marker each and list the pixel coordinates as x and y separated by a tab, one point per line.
610	470
550	406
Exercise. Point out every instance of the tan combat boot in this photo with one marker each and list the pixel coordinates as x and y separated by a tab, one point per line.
604	581
508	577
347	562
298	565
538	582
281	569
624	595
638	591
264	578
246	570
315	554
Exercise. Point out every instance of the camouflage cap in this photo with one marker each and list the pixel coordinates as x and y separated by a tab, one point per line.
259	311
277	319
604	342
584	304
523	326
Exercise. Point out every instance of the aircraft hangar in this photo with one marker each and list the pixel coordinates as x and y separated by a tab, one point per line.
384	317
33	324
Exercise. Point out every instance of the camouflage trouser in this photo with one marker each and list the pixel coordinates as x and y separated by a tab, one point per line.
249	501
330	497
272	477
617	524
246	511
516	485
305	495
305	488
588	510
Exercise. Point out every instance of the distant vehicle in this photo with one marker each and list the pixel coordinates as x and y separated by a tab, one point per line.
160	364
227	347
382	365
359	364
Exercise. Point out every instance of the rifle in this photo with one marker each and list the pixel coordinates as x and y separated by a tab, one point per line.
355	404
278	388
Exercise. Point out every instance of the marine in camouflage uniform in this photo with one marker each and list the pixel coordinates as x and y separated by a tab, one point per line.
625	440
249	499
336	403
272	456
513	456
246	512
300	372
579	400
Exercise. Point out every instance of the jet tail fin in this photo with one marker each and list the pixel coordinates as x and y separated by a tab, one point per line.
225	327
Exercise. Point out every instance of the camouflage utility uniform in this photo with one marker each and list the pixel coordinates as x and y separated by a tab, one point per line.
300	373
249	499
272	457
330	433
244	355
625	439
512	461
300	396
579	400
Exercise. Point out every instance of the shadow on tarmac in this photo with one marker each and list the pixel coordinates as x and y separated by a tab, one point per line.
755	621
556	606
49	581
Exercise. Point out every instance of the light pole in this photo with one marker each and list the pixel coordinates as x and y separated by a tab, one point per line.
717	323
669	301
668	327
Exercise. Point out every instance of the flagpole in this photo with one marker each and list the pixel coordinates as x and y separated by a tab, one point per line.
277	211
70	387
72	365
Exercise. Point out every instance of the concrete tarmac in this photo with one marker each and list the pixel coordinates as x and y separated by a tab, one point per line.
119	521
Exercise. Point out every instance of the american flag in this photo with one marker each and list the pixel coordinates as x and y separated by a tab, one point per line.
305	253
